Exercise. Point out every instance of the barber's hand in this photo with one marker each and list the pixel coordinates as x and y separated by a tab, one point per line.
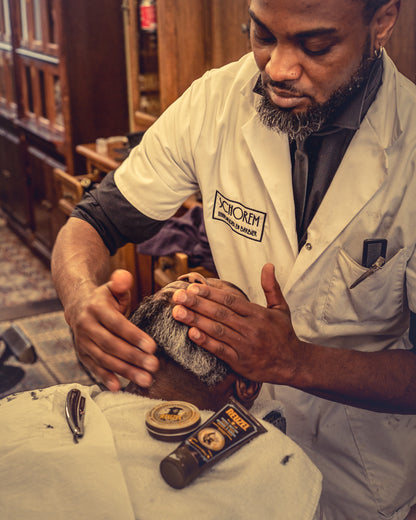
107	343
257	342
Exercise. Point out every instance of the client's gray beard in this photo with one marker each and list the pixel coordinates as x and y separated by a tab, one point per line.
298	126
154	316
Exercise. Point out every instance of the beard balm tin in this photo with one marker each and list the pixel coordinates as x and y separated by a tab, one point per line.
172	421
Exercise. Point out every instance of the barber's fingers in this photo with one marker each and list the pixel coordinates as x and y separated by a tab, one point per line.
108	342
221	349
271	288
225	326
213	335
120	285
115	355
101	312
117	348
99	373
218	304
123	332
97	360
240	351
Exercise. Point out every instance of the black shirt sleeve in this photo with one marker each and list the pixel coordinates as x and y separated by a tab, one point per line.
113	217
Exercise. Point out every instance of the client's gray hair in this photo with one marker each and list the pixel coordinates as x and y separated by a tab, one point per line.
154	316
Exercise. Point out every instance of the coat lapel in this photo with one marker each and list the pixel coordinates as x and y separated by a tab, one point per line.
270	152
359	176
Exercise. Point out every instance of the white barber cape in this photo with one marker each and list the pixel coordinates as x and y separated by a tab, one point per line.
113	472
212	139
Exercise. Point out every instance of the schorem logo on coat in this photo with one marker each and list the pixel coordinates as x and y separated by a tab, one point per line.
247	222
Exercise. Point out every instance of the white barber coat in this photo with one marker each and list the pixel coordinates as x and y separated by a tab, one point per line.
212	139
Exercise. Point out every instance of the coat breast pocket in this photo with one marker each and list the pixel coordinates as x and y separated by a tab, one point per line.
378	297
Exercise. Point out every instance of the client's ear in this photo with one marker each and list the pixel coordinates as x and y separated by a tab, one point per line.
246	391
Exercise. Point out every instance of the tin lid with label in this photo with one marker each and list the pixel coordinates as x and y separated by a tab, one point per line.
172	420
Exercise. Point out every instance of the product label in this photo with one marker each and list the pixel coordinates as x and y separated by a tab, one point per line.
247	222
227	430
148	20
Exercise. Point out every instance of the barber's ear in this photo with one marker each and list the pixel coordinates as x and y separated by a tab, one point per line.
384	21
246	391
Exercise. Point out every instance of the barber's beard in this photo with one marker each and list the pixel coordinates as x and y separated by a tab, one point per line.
298	126
154	316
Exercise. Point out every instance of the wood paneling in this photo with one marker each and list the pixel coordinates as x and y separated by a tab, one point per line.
402	45
230	39
195	36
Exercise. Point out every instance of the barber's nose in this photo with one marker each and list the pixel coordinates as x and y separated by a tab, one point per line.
283	64
193	277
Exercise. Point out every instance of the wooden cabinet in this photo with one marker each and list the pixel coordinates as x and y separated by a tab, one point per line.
193	36
46	216
14	195
62	83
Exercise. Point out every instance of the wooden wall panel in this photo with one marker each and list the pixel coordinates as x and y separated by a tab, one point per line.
402	45
229	41
195	37
181	46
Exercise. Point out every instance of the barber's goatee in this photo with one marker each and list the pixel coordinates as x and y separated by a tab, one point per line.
299	125
294	125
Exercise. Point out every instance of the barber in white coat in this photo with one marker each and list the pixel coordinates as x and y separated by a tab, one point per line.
340	359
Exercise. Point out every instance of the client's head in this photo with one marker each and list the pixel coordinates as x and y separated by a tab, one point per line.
188	372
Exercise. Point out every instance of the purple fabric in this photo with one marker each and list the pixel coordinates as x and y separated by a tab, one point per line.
185	234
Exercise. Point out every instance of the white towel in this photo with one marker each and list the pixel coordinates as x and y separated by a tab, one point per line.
45	475
270	477
113	473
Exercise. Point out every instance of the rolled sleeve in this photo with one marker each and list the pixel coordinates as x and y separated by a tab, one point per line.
113	217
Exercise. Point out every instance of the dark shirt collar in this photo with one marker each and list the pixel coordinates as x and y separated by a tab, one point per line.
354	111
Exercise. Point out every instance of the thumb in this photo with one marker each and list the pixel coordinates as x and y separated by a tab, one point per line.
120	284
271	288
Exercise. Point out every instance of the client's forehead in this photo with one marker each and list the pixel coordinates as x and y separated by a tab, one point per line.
184	283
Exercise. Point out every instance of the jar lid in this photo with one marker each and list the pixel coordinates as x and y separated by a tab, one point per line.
172	420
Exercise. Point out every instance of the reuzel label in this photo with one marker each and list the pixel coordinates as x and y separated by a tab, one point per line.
224	432
237	419
247	222
170	417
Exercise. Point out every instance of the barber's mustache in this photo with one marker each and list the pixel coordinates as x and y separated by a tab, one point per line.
281	85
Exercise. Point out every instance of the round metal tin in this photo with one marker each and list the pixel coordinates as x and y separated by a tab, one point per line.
172	420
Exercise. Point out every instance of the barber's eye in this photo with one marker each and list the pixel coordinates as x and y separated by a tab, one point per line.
265	40
316	48
262	35
319	52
